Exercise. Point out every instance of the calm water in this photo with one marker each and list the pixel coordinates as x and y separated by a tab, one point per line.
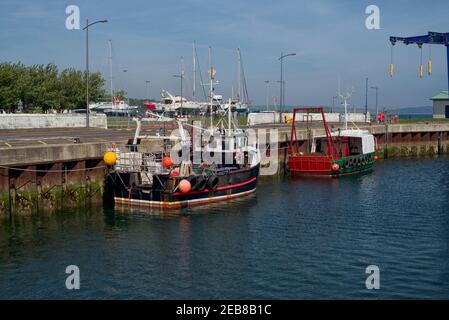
300	239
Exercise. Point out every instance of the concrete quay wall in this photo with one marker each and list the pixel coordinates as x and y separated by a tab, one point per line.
33	121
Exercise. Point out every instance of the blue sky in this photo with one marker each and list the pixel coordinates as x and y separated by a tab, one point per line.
149	38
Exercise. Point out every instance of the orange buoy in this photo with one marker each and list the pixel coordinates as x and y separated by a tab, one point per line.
376	158
335	167
184	186
110	158
167	162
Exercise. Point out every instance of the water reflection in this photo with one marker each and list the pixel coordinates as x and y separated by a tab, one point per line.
295	238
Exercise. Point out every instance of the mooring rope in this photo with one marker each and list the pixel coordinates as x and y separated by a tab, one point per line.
53	171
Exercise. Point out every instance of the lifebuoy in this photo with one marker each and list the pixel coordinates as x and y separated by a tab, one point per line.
212	182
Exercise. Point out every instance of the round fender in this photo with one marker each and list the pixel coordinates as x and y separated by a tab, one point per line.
201	183
193	182
212	182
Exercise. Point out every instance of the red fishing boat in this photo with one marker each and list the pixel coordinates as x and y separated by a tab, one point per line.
332	154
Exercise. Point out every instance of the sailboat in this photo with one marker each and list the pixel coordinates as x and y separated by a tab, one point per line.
240	103
343	152
176	104
115	106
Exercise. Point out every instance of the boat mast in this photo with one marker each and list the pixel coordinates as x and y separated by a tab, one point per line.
346	112
110	73
345	103
229	117
239	74
194	71
211	77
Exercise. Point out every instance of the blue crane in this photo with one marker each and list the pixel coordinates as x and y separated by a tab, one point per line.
430	38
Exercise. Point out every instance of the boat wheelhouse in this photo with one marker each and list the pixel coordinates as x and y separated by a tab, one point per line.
333	154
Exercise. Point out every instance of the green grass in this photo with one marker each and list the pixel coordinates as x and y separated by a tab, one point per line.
122	122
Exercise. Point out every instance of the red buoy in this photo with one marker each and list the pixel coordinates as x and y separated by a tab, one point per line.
335	167
167	162
184	186
376	158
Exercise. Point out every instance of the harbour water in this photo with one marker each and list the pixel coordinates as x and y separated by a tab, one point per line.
294	239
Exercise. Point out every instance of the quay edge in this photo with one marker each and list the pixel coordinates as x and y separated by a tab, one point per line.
76	172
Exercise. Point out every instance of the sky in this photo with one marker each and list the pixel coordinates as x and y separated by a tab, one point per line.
149	37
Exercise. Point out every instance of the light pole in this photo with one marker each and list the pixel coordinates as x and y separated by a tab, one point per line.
87	65
377	107
333	103
148	91
180	76
282	95
127	99
366	101
268	86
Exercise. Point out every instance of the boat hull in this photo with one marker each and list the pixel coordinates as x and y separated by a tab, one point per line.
231	185
322	165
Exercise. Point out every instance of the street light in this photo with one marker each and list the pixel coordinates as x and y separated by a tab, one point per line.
180	76
377	93
125	88
333	103
87	65
127	100
366	101
148	83
267	82
282	95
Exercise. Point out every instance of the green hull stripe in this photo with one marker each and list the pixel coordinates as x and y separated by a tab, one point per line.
354	164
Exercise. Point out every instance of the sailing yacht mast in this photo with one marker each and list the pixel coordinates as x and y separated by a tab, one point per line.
194	71
110	73
211	77
239	74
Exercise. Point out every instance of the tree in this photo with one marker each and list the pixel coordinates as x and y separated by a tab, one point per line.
43	88
72	89
9	91
96	86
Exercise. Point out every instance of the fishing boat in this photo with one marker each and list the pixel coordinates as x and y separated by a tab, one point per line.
143	178
344	152
218	163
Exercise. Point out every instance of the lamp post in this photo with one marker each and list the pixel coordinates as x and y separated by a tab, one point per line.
366	101
148	91
333	103
127	100
377	107
282	91
87	65
181	77
267	82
